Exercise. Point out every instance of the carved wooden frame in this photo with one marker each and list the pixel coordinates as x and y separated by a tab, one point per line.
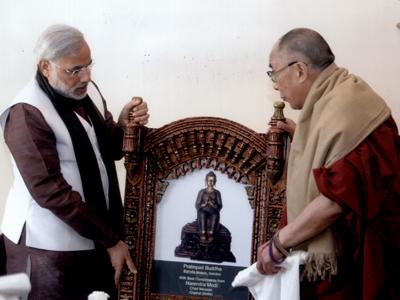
154	155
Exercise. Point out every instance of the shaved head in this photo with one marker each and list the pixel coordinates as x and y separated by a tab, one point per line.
308	45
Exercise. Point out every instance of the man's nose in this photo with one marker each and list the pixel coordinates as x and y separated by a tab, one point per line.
275	86
85	75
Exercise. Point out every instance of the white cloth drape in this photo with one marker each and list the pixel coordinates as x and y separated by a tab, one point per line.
14	287
98	295
283	285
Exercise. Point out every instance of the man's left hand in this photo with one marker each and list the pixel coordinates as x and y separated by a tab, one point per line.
136	109
119	256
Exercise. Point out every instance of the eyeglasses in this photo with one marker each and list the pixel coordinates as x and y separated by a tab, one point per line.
273	74
76	71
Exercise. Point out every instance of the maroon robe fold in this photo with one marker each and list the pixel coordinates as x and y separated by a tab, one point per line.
366	184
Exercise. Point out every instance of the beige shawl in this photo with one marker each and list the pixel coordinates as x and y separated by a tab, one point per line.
340	111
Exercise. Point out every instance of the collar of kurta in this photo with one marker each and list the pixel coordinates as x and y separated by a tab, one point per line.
340	111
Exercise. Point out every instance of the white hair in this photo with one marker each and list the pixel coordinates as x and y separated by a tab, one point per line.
58	41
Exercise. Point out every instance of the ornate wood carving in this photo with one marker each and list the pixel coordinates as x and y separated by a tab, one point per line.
254	159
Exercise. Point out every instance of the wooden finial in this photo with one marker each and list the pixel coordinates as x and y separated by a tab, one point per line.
276	145
131	133
278	113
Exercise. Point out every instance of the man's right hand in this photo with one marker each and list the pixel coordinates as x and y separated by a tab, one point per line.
119	255
264	264
289	126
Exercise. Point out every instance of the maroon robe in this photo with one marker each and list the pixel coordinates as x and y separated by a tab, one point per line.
366	184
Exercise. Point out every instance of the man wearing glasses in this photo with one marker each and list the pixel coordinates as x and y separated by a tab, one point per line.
343	180
62	222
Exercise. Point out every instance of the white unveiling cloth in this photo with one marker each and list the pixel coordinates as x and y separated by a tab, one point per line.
98	295
283	285
15	286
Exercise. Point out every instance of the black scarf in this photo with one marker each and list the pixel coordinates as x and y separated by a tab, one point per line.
84	153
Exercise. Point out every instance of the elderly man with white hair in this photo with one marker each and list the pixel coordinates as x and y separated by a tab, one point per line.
62	221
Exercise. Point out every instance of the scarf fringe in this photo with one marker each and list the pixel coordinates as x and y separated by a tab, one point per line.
319	266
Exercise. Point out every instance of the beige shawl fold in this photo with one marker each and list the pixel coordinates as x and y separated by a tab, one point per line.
340	111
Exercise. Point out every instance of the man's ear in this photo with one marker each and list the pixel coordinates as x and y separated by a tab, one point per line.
44	67
302	71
